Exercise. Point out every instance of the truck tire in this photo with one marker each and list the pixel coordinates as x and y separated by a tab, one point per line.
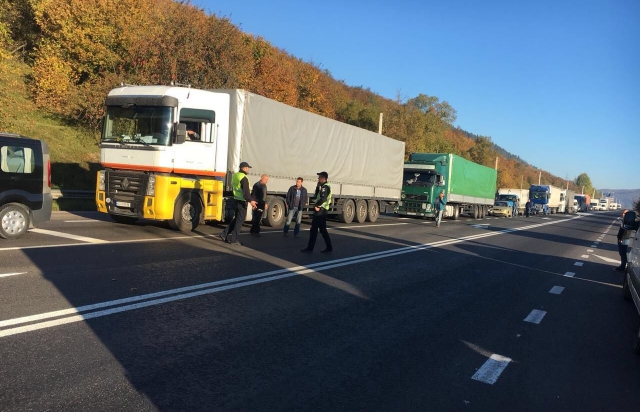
475	213
125	220
483	212
276	212
373	210
186	213
14	221
361	210
348	211
456	212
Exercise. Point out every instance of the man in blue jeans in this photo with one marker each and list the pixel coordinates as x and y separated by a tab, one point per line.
439	206
296	200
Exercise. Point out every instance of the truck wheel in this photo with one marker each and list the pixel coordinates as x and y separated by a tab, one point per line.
626	292
276	213
125	220
456	212
475	213
373	210
361	210
348	211
14	221
186	213
482	212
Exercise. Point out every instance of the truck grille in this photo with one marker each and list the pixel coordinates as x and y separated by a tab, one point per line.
126	191
417	198
127	182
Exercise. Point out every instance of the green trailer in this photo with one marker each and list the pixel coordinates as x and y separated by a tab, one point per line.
469	188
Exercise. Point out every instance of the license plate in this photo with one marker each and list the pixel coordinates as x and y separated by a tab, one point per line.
123	204
411	213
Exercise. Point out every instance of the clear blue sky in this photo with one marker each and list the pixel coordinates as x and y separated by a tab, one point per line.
555	82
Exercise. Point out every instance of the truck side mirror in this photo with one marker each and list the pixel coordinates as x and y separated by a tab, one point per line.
181	133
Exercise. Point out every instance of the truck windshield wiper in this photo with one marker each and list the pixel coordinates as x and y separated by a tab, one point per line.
139	140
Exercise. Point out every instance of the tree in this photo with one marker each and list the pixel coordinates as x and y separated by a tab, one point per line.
583	181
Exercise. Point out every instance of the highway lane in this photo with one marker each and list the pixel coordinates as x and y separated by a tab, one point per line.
405	329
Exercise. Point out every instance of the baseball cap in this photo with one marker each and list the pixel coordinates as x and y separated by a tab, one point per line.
244	164
323	174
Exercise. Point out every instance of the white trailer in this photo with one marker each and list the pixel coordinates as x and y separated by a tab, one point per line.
522	195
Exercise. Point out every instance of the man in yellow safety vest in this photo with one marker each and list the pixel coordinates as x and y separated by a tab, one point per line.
319	222
241	195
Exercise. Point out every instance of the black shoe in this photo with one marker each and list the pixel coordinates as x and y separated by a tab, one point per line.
236	243
306	250
327	251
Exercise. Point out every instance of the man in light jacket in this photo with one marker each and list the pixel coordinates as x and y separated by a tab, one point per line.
296	200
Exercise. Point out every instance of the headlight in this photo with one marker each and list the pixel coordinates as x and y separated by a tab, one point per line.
424	205
101	180
151	185
402	196
400	203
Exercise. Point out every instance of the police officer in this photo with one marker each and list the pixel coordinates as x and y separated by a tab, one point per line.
322	203
241	195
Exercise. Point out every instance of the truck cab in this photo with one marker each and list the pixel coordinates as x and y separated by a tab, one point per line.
25	184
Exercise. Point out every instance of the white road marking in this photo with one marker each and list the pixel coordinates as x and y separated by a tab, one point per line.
606	259
481	226
363	226
535	316
578	264
570	274
6	275
68	236
585	256
213	287
594	246
491	370
556	290
590	250
546	218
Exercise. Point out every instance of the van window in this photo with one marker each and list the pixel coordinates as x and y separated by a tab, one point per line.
17	159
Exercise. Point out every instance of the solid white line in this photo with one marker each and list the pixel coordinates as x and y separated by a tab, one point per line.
490	371
242	281
6	275
556	290
570	274
535	316
578	264
68	236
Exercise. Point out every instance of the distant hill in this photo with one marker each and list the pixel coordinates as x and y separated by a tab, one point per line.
624	196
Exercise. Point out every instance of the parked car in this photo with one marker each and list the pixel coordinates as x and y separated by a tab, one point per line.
502	208
631	285
25	184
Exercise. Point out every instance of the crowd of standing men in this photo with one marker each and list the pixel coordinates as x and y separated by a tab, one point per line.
296	200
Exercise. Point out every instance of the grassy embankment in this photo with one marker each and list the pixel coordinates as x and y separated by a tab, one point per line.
75	156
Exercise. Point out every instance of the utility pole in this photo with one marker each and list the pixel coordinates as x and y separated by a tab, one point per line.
380	124
521	181
539	177
496	162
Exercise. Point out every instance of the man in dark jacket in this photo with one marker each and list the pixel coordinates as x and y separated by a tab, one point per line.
624	238
322	203
241	195
296	200
259	195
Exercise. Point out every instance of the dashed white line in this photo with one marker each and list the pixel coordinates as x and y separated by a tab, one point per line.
535	316
556	290
570	274
68	236
578	264
6	275
590	250
584	256
490	371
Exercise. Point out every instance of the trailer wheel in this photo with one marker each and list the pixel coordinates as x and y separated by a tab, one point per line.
361	210
186	213
14	221
348	211
482	212
373	210
125	220
474	212
276	212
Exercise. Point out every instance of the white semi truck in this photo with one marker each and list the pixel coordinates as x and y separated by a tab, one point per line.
519	195
169	152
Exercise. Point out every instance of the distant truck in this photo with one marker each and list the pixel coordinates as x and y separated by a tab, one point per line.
570	204
604	204
546	199
584	202
469	188
594	204
520	196
169	153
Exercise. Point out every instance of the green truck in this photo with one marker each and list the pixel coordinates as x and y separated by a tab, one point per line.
469	188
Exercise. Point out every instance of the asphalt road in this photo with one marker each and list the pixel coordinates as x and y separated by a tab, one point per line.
403	316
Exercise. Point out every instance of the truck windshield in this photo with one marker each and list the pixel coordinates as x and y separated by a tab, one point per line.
419	178
147	125
512	198
538	195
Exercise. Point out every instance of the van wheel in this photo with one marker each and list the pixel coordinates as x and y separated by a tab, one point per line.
125	220
14	221
361	210
348	211
276	213
626	292
373	210
186	213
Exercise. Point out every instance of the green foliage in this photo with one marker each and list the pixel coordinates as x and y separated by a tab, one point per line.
583	181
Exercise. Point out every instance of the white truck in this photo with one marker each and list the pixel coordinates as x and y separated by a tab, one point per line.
604	204
169	152
522	196
546	199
